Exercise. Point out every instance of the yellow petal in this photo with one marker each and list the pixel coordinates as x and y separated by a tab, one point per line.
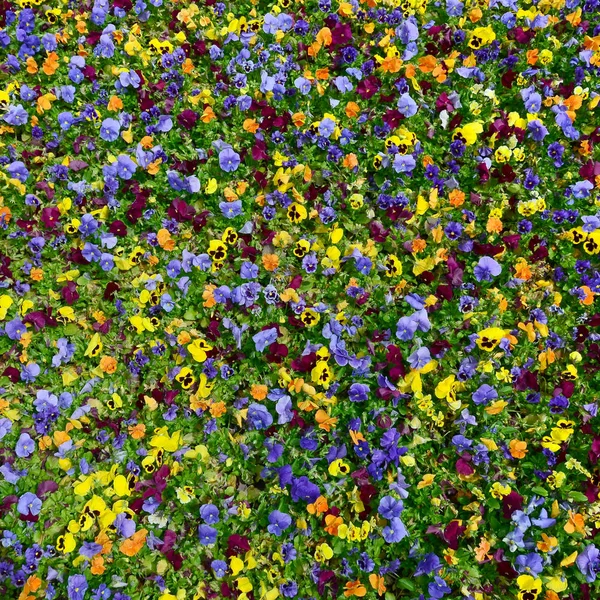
236	565
244	584
121	486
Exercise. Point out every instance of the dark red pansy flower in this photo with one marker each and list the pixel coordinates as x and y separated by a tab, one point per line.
452	532
511	503
237	545
69	293
188	118
50	216
110	290
181	211
277	352
368	87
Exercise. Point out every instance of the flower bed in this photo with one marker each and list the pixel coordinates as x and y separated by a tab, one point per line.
297	299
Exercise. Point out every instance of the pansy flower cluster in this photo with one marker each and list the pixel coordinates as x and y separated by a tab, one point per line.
298	299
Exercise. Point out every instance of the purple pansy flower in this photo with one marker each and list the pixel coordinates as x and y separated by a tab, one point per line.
229	160
487	268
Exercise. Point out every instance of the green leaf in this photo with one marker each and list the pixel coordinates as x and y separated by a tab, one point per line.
71	329
578	497
407	584
493	503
